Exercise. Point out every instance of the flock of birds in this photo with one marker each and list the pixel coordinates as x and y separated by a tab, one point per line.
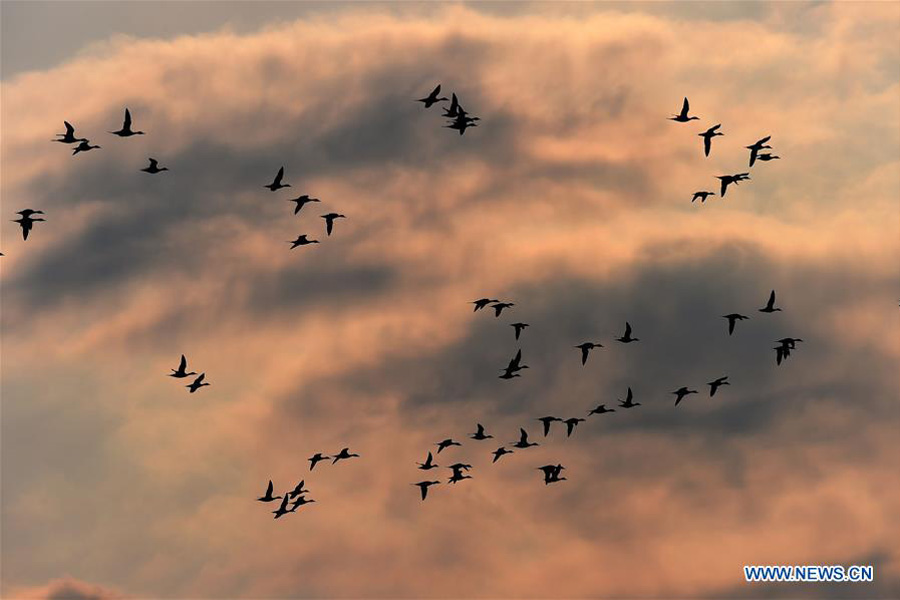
708	135
551	473
27	217
460	120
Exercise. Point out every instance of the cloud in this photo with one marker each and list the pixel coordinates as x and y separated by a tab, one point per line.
571	199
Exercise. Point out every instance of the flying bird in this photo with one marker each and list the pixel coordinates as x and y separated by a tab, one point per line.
298	489
547	421
628	403
84	146
197	383
519	328
428	464
500	452
126	127
153	168
432	98
523	440
732	319
770	305
702	195
276	183
480	434
499	306
714	385
766	157
300	501
329	221
551	473
789	342
586	348
316	458
756	147
69	136
424	485
268	496
458	473
26	221
571	424
729	179
302	201
446	444
344	454
627	339
282	510
601	410
481	303
707	136
302	240
515	364
181	372
454	107
681	393
683	117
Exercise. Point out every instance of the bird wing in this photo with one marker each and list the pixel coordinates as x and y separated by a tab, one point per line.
183	364
731	322
771	302
153	163
26	227
279	176
127	123
69	129
269	489
753	152
628	398
685	107
764	140
584	354
436	91
329	225
627	329
723	187
199	379
707	144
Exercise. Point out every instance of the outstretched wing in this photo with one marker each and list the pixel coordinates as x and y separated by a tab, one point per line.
127	124
685	107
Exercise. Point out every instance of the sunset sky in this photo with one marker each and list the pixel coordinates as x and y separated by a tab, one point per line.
571	199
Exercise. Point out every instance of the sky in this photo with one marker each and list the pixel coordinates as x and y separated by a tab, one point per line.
572	199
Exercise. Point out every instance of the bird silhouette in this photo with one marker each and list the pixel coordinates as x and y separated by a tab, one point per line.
702	195
683	117
729	179
446	444
428	464
153	168
515	363
681	393
499	306
790	342
586	348
707	136
523	440
298	489
628	403
300	501
302	201
180	371
432	98
500	452
627	339
276	183
197	383
766	157
329	221
781	353
424	485
519	328
458	472
571	423
69	136
316	458
126	127
453	110
302	240
547	421
462	122
480	434
343	455
268	496
26	221
601	409
756	147
282	510
732	319
84	146
714	385
507	374
770	305
481	303
551	473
